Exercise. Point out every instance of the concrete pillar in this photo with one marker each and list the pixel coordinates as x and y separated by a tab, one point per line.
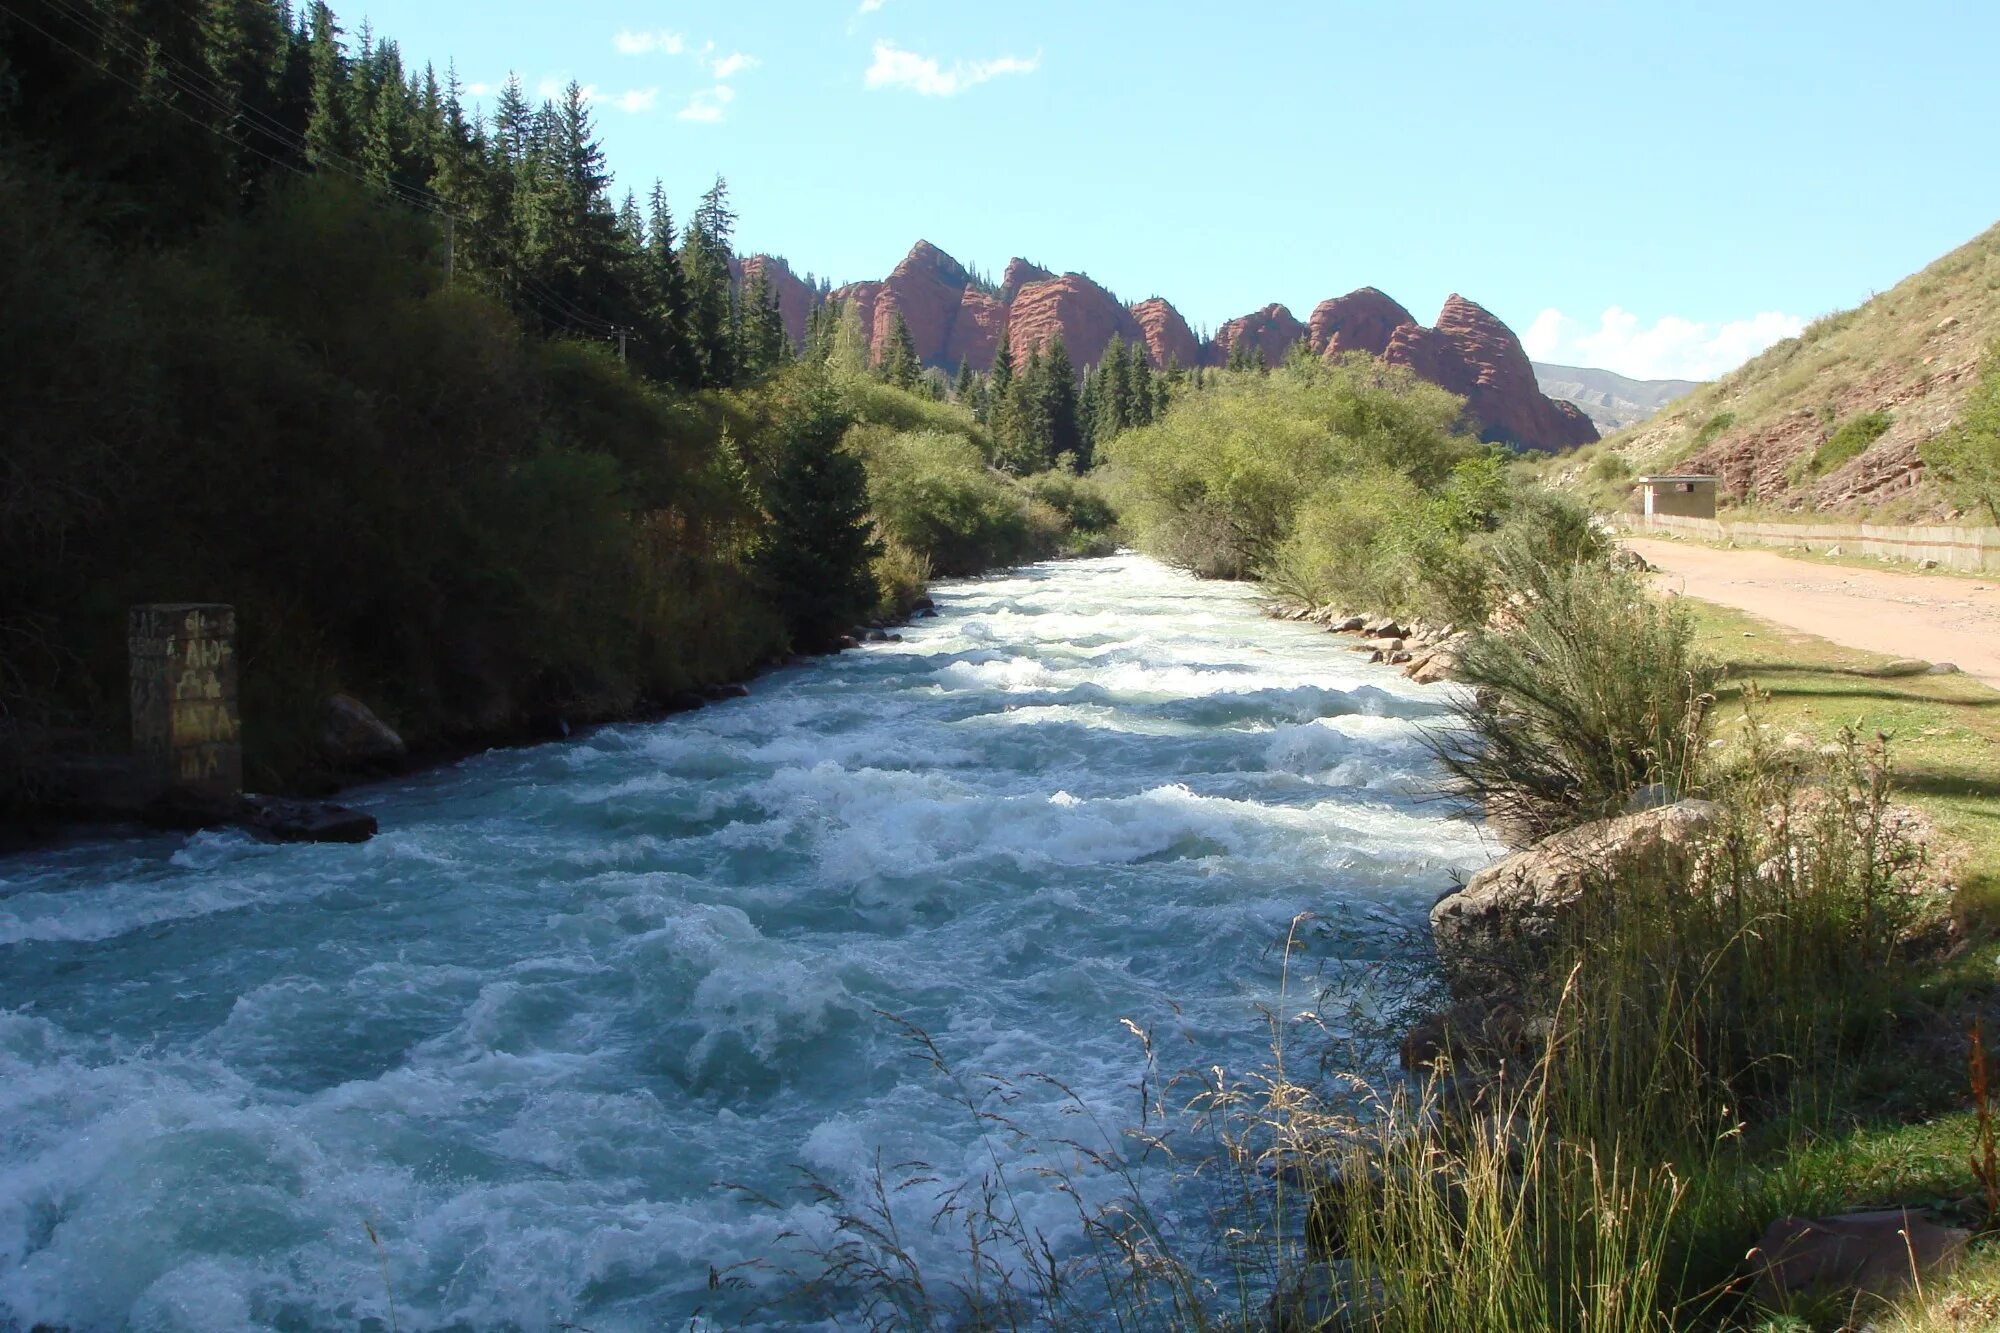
185	729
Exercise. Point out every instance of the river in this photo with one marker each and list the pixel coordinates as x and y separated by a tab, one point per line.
495	1063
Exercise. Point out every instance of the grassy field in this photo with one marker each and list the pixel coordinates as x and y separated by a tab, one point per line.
1944	731
1909	1132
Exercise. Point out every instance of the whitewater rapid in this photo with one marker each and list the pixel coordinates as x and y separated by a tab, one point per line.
524	1034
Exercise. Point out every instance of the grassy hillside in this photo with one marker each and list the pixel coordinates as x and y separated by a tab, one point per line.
1830	420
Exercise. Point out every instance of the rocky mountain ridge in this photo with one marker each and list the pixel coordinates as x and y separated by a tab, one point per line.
952	318
1612	401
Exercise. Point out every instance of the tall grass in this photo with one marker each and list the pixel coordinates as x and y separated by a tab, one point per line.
1596	1152
1591	692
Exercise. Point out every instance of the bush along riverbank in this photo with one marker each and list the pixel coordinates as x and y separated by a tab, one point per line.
1703	1050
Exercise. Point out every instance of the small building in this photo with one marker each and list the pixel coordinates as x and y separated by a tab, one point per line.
1679	496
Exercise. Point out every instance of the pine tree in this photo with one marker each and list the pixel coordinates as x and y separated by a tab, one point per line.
900	366
1141	410
962	383
330	127
816	562
670	351
705	259
1062	434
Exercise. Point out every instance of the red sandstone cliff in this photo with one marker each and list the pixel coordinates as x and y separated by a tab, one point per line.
1072	308
1168	338
1468	351
795	298
1364	320
1271	331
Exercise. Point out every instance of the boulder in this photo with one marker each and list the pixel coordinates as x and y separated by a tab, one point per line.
1883	1253
1513	912
1628	559
283	820
732	690
352	736
1348	625
1383	627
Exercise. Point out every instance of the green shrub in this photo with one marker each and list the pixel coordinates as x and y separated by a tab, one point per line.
1591	691
933	494
1081	501
1966	459
1609	468
1215	485
1713	428
1849	441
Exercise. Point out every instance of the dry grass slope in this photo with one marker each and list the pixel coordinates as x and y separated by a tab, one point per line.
1911	353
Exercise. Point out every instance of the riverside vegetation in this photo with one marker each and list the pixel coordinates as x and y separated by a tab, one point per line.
285	328
454	431
1769	1020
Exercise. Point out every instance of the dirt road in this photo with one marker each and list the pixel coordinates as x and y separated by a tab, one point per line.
1885	611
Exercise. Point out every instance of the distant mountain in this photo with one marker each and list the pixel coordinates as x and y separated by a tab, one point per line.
952	317
1832	420
1612	401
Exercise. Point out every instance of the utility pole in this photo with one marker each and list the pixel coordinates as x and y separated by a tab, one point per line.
450	248
621	346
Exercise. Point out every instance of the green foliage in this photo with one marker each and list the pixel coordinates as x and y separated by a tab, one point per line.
934	496
1609	468
1083	506
817	559
1966	459
1220	483
401	494
1849	441
1590	692
1712	429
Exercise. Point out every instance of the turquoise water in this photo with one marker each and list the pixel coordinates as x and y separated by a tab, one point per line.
524	1033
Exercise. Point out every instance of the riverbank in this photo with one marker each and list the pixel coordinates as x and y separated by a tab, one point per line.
1547	953
570	987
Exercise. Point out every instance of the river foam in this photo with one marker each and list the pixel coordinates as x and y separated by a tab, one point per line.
522	1035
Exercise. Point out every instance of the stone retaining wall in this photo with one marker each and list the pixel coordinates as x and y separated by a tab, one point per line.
1973	550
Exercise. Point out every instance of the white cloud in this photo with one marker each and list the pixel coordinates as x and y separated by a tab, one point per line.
480	89
706	106
1672	347
731	65
633	100
663	42
870	6
897	68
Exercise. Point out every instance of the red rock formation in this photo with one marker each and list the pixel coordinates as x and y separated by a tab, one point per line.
1471	353
1019	274
1271	331
863	298
1364	320
1468	352
795	299
975	335
1074	308
926	289
1168	337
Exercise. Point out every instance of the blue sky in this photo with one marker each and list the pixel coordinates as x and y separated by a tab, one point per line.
1659	188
